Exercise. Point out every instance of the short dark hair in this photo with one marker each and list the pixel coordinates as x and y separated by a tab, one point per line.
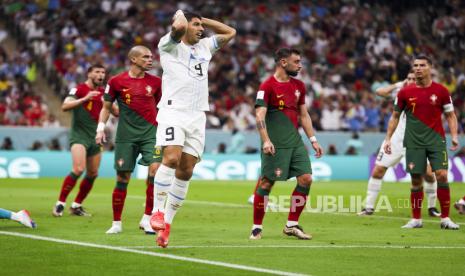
285	53
189	15
95	66
425	57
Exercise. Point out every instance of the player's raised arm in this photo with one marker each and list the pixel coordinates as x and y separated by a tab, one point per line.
386	91
307	125
102	120
179	26
71	102
260	114
224	33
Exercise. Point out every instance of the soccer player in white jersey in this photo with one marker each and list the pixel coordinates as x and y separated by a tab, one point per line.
184	57
384	161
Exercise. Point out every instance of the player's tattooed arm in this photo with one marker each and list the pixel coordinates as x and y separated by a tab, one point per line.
267	145
224	33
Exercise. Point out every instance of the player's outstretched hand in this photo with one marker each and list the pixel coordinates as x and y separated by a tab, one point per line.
318	149
455	143
387	146
100	138
268	148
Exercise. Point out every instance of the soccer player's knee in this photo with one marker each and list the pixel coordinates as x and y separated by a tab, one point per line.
78	170
305	180
429	177
91	174
266	184
378	172
171	160
123	176
441	176
417	180
153	169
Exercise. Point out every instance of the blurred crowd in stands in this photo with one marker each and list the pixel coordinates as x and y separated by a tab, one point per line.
349	49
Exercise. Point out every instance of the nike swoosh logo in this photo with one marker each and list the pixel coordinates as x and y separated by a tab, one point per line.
412	99
279	96
126	89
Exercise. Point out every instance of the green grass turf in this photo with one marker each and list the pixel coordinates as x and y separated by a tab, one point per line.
201	223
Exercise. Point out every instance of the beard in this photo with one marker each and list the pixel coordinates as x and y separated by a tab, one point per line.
292	73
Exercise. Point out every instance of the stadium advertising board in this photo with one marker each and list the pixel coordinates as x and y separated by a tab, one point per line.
24	164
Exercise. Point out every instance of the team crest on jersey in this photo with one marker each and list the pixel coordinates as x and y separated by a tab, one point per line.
278	172
411	165
433	98
120	162
297	93
148	88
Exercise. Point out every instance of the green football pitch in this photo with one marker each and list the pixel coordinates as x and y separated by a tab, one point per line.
210	234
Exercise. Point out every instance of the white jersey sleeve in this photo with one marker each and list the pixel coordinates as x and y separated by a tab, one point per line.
167	44
211	43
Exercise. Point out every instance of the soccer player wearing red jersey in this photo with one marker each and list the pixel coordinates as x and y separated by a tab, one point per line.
424	103
280	103
384	161
85	101
137	94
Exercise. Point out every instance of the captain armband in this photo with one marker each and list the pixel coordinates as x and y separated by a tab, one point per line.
448	107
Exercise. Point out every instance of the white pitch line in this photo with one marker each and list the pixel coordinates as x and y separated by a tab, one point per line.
200	202
236	205
149	253
324	246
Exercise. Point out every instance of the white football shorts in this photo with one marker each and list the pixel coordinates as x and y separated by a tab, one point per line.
390	160
182	128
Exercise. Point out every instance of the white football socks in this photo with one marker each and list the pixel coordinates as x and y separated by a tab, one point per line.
374	186
176	197
430	191
162	183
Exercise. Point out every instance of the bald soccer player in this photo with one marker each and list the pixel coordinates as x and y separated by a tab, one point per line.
137	94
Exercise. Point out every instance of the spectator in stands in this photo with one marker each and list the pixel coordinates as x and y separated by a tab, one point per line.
36	146
331	150
7	144
349	49
354	144
54	145
51	121
221	149
331	117
237	142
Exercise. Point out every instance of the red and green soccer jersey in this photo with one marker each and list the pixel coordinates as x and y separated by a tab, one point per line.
424	108
137	101
282	100
85	116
